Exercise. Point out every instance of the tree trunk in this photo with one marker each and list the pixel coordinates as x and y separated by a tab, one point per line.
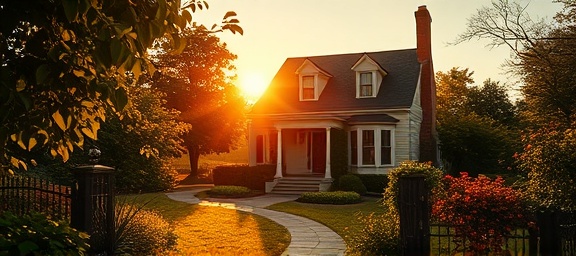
194	155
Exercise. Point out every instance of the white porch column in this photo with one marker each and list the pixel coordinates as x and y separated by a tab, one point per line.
251	144
328	172
279	156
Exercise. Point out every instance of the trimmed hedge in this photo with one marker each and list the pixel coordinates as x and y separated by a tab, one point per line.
252	177
351	182
229	191
376	183
336	197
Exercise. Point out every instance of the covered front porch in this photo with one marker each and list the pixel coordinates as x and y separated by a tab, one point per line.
297	148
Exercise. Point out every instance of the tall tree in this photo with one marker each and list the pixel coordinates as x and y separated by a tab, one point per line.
492	100
64	61
452	91
475	123
543	55
198	83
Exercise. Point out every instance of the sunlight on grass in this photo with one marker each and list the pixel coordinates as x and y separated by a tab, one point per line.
205	230
342	219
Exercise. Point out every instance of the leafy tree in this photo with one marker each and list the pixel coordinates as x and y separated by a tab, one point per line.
491	100
475	124
142	143
452	91
198	83
64	62
549	158
543	56
477	144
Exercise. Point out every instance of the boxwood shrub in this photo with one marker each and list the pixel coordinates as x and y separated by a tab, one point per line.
350	182
335	197
229	191
375	183
253	177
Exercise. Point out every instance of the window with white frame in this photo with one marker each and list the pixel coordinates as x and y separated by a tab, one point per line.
308	88
366	87
372	146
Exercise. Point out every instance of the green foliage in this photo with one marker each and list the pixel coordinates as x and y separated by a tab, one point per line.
476	124
335	197
432	177
477	144
36	234
142	144
549	158
481	210
253	177
351	182
229	191
375	183
379	235
138	232
65	62
199	84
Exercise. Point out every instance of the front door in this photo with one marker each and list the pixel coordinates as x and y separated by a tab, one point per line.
318	150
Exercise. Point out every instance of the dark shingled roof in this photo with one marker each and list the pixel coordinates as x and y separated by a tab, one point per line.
396	91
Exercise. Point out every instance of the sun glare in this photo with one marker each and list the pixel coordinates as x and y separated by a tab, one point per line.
253	85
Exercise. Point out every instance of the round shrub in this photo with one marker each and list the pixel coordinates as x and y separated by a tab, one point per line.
379	235
142	232
37	234
351	182
336	197
229	191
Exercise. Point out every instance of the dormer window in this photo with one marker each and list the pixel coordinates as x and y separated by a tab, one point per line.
366	84
312	79
308	88
369	76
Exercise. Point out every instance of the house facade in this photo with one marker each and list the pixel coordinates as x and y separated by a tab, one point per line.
366	112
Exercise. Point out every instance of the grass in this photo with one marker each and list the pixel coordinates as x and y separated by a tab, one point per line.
342	219
205	230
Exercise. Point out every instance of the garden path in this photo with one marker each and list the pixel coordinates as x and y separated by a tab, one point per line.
308	237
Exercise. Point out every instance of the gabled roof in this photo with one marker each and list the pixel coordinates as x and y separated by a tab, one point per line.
396	91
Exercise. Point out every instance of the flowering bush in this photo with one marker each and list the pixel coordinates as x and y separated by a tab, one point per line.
481	210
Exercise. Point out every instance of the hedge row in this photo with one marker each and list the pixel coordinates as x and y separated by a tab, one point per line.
335	197
375	183
253	177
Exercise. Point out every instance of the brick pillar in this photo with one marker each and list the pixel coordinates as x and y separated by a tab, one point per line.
428	141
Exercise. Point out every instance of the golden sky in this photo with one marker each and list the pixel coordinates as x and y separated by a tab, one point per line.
278	29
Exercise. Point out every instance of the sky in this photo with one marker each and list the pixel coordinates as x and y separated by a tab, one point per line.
278	29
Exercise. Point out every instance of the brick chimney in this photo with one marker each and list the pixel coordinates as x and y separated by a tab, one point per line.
428	135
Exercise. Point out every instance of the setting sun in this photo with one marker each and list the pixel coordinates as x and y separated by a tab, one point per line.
252	85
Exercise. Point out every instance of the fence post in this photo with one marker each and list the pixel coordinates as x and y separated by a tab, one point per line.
548	226
92	206
414	215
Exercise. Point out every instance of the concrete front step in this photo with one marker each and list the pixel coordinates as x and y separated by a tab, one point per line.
297	185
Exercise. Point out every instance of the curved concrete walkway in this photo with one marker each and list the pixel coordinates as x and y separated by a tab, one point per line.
308	237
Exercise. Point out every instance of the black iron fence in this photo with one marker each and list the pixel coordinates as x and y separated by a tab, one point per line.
22	195
88	204
445	241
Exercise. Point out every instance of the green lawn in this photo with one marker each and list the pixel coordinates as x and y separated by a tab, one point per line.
342	219
205	230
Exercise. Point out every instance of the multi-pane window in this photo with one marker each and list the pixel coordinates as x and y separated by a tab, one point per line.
368	156
354	147
385	147
371	146
366	84
308	88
